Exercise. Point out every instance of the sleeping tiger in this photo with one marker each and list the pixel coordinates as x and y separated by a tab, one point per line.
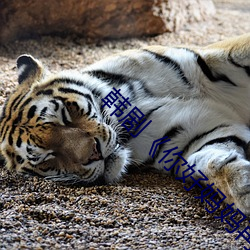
56	126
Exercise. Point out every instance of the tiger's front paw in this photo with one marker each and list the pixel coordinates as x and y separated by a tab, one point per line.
233	179
115	164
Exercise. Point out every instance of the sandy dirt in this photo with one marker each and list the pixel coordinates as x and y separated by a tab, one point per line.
145	210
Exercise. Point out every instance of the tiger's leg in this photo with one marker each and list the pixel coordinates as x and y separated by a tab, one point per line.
226	166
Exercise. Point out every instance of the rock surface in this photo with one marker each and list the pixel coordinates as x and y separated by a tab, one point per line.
98	19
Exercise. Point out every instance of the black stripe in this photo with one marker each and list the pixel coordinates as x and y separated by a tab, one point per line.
16	121
209	74
21	131
19	118
2	161
19	142
35	158
144	87
147	91
119	80
45	92
56	105
95	92
64	117
14	125
3	127
205	69
173	132
94	116
48	168
151	111
11	133
67	81
43	111
239	142
26	103
231	160
31	172
131	91
231	60
42	114
29	149
31	112
73	91
173	64
3	135
19	159
114	80
11	107
70	91
60	98
213	77
125	134
89	109
10	139
111	78
201	136
17	101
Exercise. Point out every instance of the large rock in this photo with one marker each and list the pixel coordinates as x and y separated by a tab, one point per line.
97	18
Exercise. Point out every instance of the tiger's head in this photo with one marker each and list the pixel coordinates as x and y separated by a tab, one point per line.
53	126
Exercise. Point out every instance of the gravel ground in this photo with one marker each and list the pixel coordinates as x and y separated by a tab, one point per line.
145	210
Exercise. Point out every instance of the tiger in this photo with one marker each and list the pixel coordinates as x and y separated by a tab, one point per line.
56	125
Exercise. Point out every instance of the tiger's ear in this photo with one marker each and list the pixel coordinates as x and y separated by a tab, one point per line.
30	70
